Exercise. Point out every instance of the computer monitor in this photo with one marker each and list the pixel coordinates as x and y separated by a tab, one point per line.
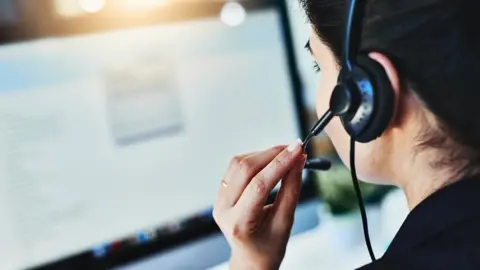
116	131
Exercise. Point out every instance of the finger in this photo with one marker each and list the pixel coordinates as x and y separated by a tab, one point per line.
251	203
288	196
246	170
234	163
240	174
219	206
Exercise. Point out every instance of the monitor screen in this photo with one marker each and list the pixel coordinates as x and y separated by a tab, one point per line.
109	133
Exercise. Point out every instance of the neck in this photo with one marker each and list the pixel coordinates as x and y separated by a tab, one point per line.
412	170
418	182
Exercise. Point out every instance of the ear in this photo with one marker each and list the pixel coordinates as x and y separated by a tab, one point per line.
392	74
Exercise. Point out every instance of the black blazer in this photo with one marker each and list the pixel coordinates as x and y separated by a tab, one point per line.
442	232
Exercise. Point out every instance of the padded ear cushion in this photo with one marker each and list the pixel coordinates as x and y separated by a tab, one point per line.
383	99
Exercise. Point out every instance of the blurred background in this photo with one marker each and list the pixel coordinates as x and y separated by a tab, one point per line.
119	117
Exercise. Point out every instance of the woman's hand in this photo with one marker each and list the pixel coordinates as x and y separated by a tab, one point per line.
258	233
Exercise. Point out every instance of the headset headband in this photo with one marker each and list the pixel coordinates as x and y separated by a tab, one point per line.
351	40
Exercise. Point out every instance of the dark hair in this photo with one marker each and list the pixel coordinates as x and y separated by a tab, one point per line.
435	45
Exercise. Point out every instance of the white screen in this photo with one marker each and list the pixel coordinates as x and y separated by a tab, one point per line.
103	135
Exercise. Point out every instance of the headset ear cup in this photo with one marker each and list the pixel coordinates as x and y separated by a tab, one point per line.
383	99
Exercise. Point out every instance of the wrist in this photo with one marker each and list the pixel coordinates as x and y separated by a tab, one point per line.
252	263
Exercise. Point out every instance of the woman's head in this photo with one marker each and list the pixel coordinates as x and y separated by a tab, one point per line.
430	50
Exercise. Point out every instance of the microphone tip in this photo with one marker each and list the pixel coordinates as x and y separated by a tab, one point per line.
318	164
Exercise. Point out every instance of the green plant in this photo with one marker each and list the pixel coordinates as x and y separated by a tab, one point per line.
336	189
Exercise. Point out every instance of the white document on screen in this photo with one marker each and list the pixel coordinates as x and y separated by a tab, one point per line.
96	130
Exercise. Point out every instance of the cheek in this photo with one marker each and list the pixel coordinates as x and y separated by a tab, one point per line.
328	81
334	130
324	91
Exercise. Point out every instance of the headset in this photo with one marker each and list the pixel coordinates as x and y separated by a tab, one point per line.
363	98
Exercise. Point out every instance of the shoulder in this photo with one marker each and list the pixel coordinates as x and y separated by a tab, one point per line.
456	248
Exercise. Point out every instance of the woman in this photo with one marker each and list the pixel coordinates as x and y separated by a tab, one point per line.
430	50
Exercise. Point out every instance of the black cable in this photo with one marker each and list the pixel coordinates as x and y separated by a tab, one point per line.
361	205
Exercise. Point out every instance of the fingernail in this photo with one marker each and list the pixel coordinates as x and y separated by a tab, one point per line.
294	146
